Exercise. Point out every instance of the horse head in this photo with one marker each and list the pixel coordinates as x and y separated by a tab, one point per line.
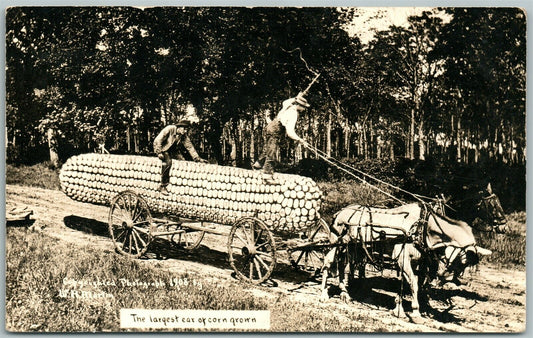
484	214
490	215
453	245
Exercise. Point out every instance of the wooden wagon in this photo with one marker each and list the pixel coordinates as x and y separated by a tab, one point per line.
262	218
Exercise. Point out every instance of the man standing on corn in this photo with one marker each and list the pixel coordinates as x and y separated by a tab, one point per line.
166	146
283	123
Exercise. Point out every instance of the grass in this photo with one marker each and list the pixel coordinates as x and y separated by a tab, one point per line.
39	175
508	248
38	267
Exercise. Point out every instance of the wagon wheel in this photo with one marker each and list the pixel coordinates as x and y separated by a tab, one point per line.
251	250
312	258
189	239
129	224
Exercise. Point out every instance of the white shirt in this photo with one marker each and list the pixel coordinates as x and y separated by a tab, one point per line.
288	116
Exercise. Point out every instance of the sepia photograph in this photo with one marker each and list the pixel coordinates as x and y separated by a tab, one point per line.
265	169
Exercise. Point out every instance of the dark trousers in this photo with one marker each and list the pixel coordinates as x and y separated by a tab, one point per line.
272	137
165	170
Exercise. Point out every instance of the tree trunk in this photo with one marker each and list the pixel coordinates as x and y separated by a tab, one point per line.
52	145
239	146
128	138
360	142
411	154
328	135
372	140
136	141
252	141
467	147
421	145
347	136
458	139
365	143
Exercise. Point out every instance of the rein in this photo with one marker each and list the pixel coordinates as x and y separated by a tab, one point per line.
350	170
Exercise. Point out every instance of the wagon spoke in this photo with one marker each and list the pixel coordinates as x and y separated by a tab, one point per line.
135	210
117	209
135	235
141	223
252	232
241	239
262	262
120	202
125	238
264	254
258	236
120	219
129	204
314	254
122	233
245	235
251	269
141	239
125	199
302	253
131	207
125	204
120	215
258	268
262	245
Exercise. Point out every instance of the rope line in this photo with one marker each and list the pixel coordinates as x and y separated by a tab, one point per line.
350	170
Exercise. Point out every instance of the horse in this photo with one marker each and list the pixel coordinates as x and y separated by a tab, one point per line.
413	238
485	214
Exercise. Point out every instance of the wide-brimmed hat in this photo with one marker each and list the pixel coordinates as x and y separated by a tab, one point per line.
183	123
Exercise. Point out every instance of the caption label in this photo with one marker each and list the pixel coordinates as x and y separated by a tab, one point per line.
194	319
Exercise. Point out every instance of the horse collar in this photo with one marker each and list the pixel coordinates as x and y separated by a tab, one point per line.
420	229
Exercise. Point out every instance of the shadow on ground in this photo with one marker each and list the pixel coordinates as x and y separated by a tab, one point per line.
162	249
26	223
381	291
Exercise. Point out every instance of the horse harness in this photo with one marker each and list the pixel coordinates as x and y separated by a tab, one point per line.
417	235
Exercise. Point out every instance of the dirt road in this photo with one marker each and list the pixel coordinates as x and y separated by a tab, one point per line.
494	300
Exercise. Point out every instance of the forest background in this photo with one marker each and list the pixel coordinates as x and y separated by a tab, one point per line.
434	106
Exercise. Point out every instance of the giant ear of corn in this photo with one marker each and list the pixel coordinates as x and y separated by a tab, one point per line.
207	192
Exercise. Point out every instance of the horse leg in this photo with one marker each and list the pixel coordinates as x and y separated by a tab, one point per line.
412	280
347	276
424	280
329	259
406	257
